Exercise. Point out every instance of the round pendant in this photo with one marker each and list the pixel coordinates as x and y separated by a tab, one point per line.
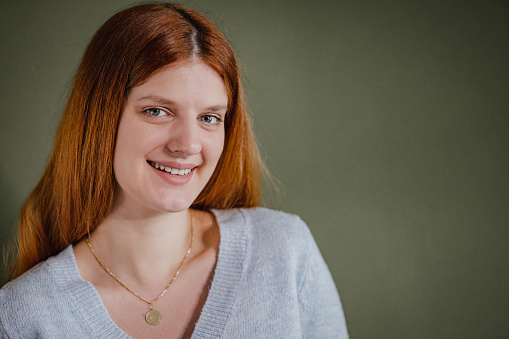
153	317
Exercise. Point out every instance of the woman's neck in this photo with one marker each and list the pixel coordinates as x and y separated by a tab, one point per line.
143	250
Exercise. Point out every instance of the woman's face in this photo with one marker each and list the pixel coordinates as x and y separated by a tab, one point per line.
170	137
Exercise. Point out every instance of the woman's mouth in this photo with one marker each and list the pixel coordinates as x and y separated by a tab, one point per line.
175	171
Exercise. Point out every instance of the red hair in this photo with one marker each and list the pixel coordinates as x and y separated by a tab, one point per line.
75	192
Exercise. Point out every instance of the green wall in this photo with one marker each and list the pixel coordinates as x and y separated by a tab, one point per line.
385	123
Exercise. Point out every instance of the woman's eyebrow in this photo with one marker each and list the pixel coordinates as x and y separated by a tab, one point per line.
217	108
164	101
158	99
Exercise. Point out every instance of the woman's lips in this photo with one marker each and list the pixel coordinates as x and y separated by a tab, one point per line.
173	175
169	169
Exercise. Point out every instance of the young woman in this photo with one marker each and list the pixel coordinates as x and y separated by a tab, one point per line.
144	221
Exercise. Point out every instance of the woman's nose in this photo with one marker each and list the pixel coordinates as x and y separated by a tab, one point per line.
184	138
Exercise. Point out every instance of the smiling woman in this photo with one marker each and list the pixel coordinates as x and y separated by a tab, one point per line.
175	120
146	221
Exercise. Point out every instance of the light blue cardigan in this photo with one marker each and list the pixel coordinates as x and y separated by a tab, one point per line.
270	282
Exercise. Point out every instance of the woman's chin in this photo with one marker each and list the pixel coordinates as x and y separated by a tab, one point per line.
173	205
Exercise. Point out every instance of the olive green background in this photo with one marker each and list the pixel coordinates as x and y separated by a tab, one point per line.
385	124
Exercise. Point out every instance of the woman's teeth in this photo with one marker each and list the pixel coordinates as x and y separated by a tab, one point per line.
175	171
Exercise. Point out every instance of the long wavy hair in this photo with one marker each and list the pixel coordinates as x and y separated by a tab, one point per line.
76	190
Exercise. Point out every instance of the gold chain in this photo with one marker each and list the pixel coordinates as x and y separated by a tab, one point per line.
149	314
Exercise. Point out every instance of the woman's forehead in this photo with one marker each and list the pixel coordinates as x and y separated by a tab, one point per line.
183	82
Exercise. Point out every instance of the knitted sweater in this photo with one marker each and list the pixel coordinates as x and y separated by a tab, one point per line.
270	281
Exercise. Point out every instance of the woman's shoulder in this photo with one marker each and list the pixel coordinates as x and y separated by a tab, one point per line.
29	297
38	278
266	221
266	230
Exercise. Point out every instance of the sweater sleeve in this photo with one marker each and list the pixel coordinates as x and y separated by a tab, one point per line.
321	312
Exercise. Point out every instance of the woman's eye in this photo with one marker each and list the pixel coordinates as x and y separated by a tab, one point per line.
155	112
210	119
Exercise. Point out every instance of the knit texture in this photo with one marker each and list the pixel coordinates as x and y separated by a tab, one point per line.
270	281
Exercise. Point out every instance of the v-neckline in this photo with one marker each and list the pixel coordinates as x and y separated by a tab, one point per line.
220	299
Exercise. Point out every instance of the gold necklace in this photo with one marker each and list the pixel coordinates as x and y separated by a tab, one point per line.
152	317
